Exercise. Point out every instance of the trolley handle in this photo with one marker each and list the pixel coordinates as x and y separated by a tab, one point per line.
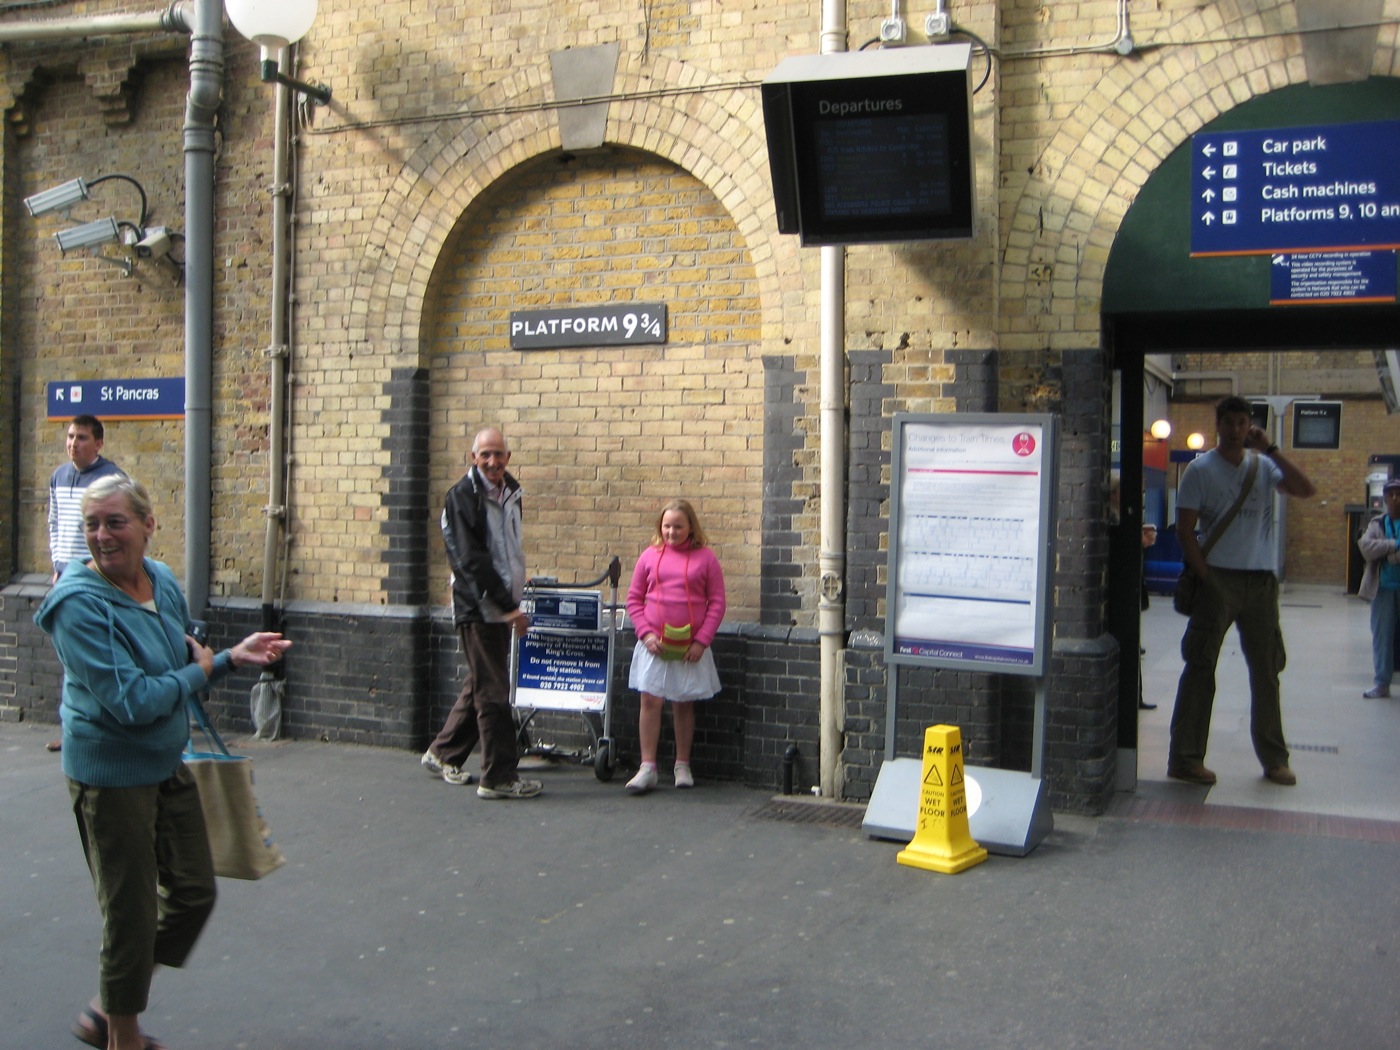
612	574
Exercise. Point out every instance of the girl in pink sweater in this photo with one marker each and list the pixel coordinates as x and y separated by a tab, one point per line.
676	602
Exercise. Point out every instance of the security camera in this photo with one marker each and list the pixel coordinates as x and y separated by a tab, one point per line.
155	243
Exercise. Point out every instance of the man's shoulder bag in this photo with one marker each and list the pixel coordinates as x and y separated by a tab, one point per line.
1188	584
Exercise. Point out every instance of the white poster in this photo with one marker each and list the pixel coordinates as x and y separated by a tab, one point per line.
970	529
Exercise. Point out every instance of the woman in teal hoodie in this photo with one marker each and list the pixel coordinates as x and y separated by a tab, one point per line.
120	625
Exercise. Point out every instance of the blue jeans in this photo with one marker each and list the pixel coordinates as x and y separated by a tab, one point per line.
1385	610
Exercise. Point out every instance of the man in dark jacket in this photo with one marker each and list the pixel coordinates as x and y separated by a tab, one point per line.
481	529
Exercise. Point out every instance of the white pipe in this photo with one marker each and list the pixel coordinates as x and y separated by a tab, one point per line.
91	26
831	606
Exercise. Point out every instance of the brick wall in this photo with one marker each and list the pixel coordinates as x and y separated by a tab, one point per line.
601	438
432	197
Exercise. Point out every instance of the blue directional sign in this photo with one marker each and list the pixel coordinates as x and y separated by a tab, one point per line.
1326	188
117	398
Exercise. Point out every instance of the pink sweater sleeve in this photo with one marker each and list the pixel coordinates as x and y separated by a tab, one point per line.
637	594
712	583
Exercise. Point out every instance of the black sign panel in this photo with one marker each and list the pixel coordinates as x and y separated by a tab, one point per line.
872	147
1317	424
616	324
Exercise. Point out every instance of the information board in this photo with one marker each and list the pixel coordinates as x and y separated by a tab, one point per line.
1317	425
117	398
867	147
562	672
562	661
1324	188
972	499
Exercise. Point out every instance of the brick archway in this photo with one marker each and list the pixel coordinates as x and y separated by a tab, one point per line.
1070	206
715	137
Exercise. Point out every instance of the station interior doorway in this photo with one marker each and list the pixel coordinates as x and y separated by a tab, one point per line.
1328	641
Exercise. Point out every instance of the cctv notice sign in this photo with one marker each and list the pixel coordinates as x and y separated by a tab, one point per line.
117	398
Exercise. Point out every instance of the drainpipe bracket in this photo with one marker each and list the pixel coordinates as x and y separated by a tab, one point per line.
275	352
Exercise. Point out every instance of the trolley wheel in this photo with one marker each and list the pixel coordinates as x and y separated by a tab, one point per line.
602	761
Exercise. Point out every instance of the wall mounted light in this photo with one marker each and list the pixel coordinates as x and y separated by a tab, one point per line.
273	25
1195	442
1161	429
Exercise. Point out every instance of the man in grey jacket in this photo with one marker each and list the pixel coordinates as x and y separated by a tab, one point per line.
481	529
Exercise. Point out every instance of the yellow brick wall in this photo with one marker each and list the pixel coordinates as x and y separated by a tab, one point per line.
97	110
442	114
602	437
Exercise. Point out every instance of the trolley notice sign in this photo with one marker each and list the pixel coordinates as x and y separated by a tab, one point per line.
562	672
972	502
562	662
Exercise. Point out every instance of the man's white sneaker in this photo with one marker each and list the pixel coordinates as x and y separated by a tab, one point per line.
430	762
643	782
517	788
457	775
684	778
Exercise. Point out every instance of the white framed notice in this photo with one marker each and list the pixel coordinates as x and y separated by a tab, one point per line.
970	552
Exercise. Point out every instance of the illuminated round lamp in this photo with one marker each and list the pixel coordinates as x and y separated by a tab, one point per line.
273	25
1161	430
1195	442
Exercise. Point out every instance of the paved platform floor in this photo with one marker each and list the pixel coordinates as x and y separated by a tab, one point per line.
413	915
1345	749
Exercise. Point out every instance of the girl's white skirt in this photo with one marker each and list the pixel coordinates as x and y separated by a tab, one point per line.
673	679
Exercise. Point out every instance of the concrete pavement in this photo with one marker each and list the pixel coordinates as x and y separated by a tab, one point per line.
413	915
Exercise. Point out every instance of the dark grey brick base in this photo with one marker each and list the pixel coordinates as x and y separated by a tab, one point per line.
386	676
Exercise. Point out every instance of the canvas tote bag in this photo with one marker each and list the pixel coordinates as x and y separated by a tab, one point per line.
239	837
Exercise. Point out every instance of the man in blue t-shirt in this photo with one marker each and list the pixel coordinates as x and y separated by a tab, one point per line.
1238	586
85	465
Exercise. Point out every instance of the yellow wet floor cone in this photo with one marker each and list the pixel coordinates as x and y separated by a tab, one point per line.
942	841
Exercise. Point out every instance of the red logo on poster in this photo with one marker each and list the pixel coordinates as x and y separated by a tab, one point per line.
1023	444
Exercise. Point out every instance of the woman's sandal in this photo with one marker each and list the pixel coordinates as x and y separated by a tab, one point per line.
91	1029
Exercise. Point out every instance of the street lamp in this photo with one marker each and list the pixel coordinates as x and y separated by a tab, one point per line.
273	25
1161	429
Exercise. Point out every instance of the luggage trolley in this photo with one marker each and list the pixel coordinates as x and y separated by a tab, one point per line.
565	663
